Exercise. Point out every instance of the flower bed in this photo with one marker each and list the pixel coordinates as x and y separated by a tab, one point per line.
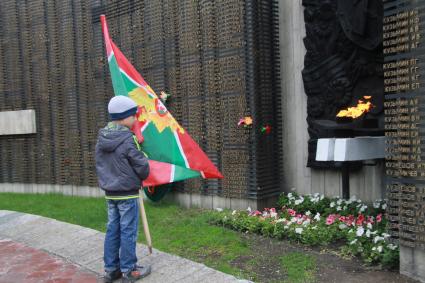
318	220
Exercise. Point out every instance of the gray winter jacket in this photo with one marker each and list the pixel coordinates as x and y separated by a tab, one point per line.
120	167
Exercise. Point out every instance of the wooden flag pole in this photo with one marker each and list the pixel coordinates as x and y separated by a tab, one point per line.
145	222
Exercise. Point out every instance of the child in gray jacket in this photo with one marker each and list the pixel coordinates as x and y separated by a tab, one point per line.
120	168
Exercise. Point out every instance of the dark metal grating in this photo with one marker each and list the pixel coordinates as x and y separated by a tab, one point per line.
218	59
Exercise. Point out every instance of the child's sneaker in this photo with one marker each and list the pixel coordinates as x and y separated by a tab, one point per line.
137	273
112	276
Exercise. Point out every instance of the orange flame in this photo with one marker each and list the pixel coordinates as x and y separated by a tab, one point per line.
357	111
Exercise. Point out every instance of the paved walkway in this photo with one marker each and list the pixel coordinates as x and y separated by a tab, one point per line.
20	263
53	248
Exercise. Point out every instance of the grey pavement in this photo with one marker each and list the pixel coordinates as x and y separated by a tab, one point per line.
84	247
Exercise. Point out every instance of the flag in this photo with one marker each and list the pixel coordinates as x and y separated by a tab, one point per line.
173	155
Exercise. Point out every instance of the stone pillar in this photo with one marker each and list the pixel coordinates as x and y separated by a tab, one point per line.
412	263
294	101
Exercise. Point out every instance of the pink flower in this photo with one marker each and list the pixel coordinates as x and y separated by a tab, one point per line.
349	220
291	212
273	210
299	215
331	219
360	220
255	213
370	220
342	218
379	217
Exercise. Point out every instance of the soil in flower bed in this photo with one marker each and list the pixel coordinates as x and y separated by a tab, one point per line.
265	263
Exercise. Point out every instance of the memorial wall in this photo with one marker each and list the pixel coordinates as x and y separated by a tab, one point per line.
405	168
218	59
404	128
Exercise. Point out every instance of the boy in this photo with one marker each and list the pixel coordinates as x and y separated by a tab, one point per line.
120	168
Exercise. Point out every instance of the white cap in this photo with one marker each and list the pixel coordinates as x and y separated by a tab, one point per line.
121	107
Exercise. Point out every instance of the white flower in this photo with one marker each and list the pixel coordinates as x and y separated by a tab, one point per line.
385	235
280	220
339	202
306	222
377	239
360	231
219	209
359	200
368	233
345	207
299	230
332	204
376	204
338	208
290	195
342	226
369	226
384	206
249	209
379	248
314	227
294	219
322	197
299	201
273	214
225	217
308	213
317	217
363	208
286	227
234	212
353	242
391	246
353	198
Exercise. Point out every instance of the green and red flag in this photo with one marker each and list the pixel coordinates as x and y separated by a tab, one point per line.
173	154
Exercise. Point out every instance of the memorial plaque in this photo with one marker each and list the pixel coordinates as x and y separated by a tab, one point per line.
404	104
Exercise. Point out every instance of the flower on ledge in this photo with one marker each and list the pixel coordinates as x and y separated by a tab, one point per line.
164	96
246	121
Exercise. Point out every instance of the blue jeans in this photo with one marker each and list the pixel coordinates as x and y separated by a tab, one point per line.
121	235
